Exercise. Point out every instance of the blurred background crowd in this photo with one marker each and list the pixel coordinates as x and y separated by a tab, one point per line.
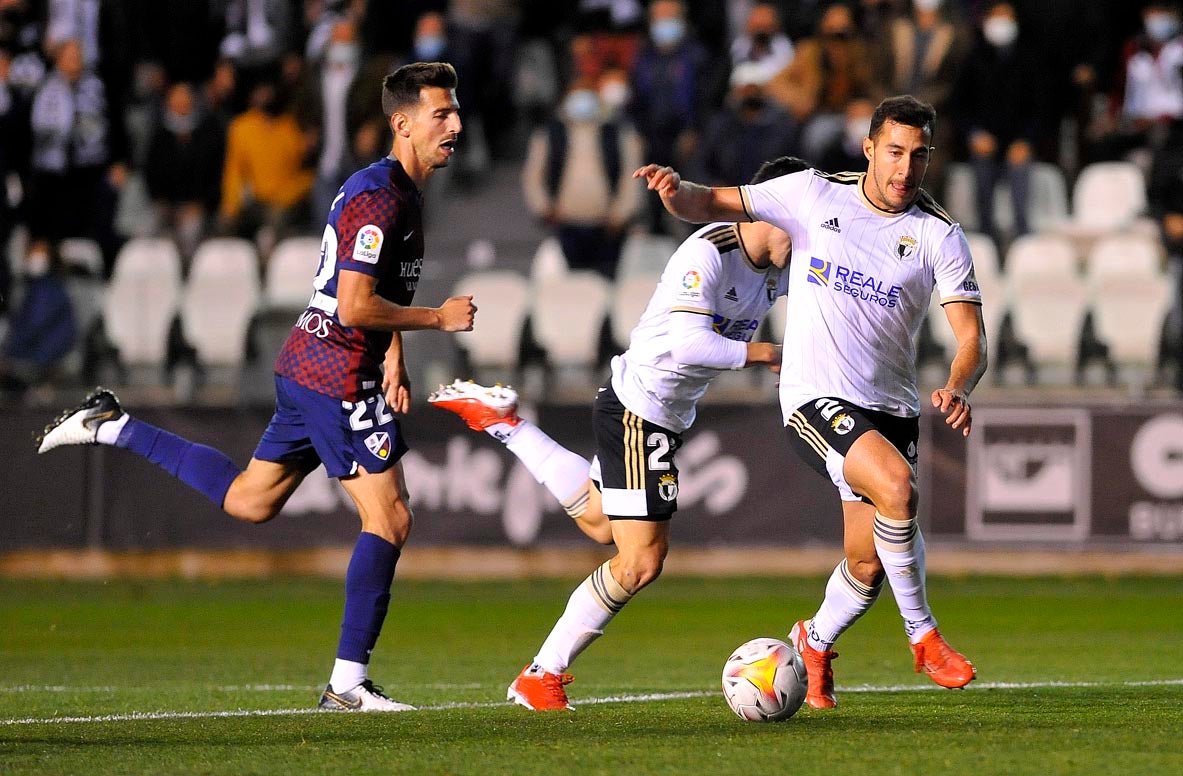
156	129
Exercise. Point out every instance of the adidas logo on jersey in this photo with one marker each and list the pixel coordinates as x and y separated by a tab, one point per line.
832	225
731	295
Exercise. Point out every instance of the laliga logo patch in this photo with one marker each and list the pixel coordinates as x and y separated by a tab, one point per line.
379	444
368	244
905	248
842	424
667	487
691	280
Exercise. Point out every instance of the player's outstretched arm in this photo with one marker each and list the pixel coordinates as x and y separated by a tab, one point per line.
359	305
693	202
967	368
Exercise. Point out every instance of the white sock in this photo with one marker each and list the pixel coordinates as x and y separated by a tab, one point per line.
108	432
347	674
901	551
559	470
846	600
589	610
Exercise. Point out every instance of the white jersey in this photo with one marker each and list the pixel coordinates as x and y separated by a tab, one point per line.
710	274
860	284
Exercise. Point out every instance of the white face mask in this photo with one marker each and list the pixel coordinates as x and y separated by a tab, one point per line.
36	264
1000	31
1161	27
581	105
615	95
926	5
668	32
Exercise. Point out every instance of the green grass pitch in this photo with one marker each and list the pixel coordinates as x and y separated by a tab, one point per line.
1080	676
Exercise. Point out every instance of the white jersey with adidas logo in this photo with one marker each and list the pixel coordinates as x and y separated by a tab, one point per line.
860	284
710	274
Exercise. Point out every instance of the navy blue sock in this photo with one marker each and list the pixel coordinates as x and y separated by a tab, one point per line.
367	596
202	468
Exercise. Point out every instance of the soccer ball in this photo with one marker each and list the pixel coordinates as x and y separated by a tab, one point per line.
764	680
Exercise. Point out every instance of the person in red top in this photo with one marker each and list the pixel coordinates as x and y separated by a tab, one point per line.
340	379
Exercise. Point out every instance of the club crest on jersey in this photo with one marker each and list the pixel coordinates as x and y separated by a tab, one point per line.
368	244
905	248
842	424
378	443
667	487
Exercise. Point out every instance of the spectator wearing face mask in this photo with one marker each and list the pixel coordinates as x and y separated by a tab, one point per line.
675	82
265	180
748	130
762	43
578	177
827	70
183	170
1002	113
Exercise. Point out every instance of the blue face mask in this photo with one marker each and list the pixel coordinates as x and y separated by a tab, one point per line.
667	32
428	48
1161	27
582	105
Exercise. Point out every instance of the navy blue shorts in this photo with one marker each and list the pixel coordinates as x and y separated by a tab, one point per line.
308	426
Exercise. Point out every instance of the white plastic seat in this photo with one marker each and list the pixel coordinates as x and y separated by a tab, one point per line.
994	307
630	297
82	254
1107	197
1130	296
1040	255
549	260
1047	204
644	254
568	315
960	198
220	299
496	339
141	301
288	283
1124	256
985	255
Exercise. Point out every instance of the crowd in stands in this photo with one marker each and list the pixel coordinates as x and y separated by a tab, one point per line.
243	117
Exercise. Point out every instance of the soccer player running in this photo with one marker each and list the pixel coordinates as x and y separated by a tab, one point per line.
334	402
714	292
870	247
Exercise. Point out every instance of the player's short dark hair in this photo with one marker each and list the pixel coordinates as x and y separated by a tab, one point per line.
401	88
774	168
904	109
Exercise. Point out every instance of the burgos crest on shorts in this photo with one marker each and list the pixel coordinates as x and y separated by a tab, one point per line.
379	444
842	423
905	248
667	487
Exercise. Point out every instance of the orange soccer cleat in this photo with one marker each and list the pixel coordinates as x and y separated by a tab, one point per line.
943	664
817	667
478	406
539	690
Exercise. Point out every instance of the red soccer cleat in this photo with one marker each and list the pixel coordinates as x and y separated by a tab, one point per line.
478	406
817	668
540	690
943	664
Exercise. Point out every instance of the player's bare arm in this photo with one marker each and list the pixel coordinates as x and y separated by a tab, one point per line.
690	201
396	383
967	368
359	305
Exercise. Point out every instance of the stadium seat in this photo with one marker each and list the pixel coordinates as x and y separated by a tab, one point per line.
549	260
141	301
630	296
81	255
644	254
1107	197
1048	302
994	308
568	315
1130	296
495	342
960	200
288	283
219	301
1047	206
985	255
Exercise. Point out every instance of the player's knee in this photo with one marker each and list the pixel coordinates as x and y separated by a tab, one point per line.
250	510
898	496
639	569
393	524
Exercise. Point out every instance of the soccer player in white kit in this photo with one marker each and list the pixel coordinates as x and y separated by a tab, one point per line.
869	249
713	294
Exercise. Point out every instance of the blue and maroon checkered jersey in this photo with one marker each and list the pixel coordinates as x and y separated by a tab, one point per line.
375	226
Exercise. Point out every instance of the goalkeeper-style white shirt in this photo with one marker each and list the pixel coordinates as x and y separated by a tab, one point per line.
710	275
860	284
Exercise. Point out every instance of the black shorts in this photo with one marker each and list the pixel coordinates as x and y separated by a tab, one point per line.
634	464
823	430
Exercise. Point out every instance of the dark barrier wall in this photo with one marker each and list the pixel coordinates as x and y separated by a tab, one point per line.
1048	474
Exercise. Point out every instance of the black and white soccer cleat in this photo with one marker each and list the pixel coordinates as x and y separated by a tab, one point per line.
80	425
367	696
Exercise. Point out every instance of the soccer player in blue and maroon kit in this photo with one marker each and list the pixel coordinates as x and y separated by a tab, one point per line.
340	377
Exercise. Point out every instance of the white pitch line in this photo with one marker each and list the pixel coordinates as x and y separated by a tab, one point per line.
642	698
